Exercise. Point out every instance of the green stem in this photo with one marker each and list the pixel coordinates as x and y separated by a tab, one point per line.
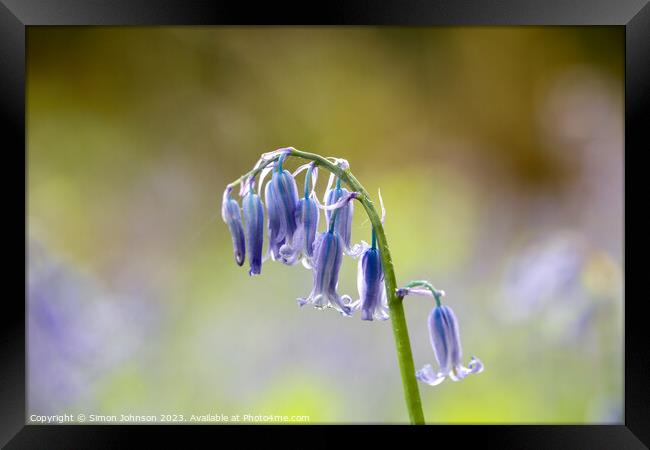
425	284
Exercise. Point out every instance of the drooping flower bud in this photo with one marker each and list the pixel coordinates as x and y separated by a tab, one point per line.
232	216
445	340
254	222
281	202
372	301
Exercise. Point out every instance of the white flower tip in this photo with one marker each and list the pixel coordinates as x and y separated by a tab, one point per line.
476	365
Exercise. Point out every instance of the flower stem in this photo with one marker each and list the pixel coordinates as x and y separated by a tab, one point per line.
437	295
398	319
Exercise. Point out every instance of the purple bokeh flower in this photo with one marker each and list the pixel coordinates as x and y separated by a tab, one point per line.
77	332
542	273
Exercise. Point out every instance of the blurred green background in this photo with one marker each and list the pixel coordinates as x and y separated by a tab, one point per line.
499	153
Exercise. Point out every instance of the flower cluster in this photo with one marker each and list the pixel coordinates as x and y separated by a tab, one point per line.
293	236
292	231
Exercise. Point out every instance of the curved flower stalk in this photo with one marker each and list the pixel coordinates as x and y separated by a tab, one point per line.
231	215
292	228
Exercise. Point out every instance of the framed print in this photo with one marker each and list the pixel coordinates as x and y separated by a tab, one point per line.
413	214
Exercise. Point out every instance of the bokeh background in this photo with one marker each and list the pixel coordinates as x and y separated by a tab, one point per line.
499	153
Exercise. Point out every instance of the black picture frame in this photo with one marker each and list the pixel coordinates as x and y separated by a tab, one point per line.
16	15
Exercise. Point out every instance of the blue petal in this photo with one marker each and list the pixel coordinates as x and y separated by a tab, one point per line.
232	217
302	241
308	216
370	283
254	220
343	223
328	254
287	196
282	200
456	352
273	212
440	337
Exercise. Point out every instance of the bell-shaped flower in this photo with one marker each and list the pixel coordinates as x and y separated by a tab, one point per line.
326	264
232	216
281	203
328	255
307	218
372	301
254	223
445	340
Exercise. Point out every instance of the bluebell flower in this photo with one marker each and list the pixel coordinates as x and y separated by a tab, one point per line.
445	340
328	255
254	222
281	203
326	262
232	216
372	301
344	215
273	221
307	218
